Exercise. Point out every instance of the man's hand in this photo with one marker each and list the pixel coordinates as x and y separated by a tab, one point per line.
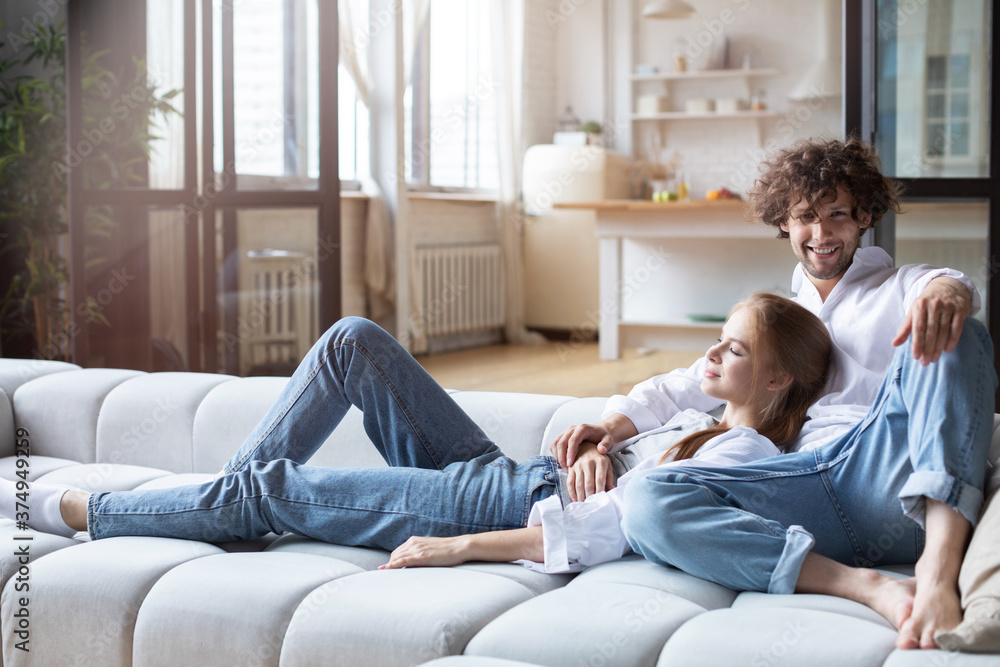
429	551
613	429
935	319
566	446
592	472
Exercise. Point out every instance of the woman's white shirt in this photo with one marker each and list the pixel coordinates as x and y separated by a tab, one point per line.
581	534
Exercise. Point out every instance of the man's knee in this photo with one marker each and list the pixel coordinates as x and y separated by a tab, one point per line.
975	334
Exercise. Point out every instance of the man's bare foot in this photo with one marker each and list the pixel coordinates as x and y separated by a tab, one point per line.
934	608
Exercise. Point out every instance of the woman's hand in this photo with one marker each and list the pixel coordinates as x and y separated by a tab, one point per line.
591	473
429	552
499	546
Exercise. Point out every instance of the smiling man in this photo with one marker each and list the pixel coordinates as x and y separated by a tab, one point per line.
892	460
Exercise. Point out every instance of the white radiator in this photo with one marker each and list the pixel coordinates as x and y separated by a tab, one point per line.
459	289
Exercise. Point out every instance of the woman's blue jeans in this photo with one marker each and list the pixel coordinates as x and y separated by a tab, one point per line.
446	477
858	500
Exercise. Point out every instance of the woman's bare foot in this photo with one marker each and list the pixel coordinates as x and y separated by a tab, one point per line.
891	598
934	608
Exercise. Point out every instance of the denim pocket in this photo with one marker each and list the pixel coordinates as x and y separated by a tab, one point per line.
543	476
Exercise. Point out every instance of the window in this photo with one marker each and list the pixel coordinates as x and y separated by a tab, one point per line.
353	126
277	98
949	118
449	105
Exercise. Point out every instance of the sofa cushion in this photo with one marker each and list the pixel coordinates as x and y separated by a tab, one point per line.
937	658
636	606
363	557
780	637
15	372
103	601
170	481
149	420
38	545
599	623
512	421
61	411
577	411
38	466
226	416
536	582
96	477
397	617
764	603
475	661
637	571
248	599
231	411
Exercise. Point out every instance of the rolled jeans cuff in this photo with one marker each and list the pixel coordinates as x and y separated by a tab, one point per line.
90	516
948	489
798	543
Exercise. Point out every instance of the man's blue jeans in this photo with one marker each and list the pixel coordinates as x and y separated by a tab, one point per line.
858	500
446	477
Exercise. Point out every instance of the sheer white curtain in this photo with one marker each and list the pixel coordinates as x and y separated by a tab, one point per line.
379	244
508	71
413	328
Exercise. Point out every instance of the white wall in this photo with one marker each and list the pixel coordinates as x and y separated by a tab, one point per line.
579	40
540	72
784	34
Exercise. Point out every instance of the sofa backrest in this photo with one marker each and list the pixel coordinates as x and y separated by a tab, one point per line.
194	422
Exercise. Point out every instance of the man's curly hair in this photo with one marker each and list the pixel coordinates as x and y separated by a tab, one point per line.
812	169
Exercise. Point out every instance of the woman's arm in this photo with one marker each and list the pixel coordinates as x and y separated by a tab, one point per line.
500	546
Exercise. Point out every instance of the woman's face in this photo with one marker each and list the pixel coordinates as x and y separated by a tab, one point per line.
729	374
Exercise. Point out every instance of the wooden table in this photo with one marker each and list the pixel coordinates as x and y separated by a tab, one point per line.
715	271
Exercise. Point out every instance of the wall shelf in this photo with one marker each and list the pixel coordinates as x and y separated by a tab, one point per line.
666	79
708	115
705	74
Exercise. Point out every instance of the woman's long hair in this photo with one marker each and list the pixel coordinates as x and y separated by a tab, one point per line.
784	338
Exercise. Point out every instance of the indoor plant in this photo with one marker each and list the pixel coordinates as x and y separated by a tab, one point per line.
33	166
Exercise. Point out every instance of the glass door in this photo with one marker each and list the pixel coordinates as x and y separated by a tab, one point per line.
920	78
204	214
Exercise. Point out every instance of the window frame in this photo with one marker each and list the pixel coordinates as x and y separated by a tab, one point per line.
418	121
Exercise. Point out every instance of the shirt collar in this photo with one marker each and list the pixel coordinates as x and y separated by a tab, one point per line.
872	256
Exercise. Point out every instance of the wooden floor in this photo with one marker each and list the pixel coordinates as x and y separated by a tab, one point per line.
569	369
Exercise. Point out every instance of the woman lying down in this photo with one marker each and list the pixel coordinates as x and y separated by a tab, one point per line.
446	481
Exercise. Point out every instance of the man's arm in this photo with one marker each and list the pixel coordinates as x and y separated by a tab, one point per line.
612	429
935	319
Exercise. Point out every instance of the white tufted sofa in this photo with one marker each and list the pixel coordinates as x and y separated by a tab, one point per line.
294	601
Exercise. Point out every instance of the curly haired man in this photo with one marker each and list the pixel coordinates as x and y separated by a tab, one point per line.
890	466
